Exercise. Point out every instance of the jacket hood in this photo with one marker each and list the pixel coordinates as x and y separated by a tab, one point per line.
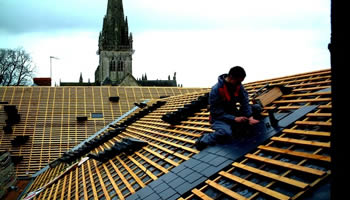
221	79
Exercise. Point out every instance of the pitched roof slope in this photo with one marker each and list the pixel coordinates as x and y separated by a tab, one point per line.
288	164
48	115
293	161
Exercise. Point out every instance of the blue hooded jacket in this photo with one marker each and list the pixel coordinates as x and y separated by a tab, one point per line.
223	100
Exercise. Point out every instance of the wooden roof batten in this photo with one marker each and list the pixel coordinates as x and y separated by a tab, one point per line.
300	150
49	117
99	133
122	135
125	115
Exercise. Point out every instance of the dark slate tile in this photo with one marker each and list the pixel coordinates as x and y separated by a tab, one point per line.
225	164
145	192
230	153
173	197
199	181
218	161
169	177
191	163
197	156
176	183
178	169
133	197
185	172
209	171
155	183
214	149
208	158
222	152
201	154
193	177
184	187
153	196
200	167
161	187
280	116
291	118
168	193
160	179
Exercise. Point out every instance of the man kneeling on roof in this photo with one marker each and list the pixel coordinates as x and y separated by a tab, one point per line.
226	119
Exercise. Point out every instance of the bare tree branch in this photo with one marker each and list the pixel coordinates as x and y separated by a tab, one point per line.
16	67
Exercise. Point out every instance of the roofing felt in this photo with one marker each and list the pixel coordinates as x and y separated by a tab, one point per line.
48	115
283	162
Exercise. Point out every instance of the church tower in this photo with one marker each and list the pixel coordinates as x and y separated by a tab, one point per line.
114	47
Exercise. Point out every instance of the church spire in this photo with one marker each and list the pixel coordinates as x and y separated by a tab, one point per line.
114	47
115	9
115	31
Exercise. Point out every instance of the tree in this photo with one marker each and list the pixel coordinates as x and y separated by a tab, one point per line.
16	67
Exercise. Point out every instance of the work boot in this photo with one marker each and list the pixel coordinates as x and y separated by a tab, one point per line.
199	144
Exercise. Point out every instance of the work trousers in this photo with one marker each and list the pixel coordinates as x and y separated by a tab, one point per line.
224	131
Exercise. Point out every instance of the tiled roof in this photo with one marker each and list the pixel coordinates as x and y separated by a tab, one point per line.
282	162
49	117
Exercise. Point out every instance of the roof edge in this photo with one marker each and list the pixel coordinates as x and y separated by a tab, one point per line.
289	76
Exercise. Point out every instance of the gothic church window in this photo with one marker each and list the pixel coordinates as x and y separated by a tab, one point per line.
112	65
120	67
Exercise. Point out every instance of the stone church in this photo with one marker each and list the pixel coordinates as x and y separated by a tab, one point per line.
115	49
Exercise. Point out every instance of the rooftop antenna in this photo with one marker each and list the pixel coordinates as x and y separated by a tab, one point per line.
52	57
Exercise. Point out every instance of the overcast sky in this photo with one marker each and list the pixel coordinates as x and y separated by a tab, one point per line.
197	39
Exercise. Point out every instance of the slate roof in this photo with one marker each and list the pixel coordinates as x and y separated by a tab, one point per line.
287	161
49	117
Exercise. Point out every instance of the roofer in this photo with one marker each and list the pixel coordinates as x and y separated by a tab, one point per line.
227	120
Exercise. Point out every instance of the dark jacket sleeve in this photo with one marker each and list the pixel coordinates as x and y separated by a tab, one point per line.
244	101
217	110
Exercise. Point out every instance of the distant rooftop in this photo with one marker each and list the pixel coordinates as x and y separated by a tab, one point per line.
42	81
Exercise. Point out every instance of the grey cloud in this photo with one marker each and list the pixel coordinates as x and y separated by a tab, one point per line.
22	16
37	15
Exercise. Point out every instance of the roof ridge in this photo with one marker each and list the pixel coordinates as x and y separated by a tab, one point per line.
289	76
